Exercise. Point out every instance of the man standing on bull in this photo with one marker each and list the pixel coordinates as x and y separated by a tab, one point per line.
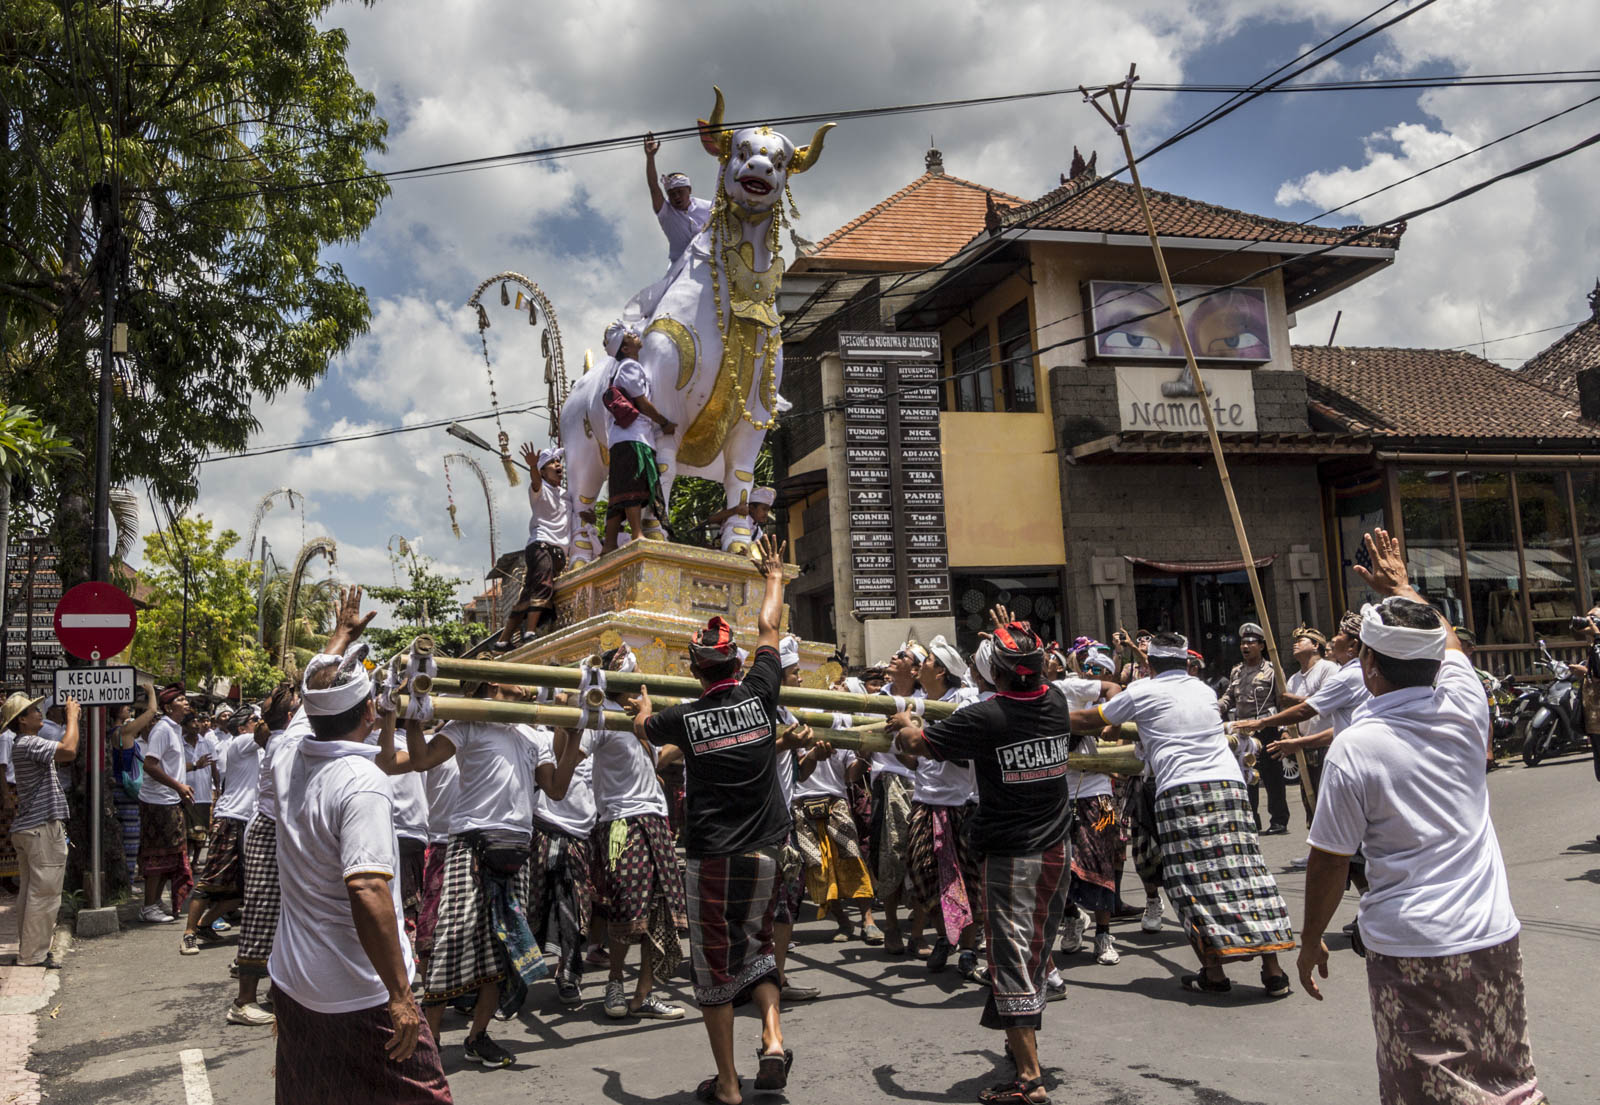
680	212
635	480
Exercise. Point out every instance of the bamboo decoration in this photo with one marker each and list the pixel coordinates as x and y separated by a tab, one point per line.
1117	117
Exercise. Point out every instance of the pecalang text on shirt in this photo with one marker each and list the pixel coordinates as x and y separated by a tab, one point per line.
727	726
1029	761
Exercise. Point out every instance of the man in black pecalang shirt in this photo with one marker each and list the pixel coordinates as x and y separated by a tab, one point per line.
735	825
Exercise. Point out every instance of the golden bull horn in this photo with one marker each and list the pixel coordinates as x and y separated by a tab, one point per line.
718	142
806	156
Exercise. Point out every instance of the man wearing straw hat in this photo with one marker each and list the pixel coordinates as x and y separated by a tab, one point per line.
1405	783
39	829
735	828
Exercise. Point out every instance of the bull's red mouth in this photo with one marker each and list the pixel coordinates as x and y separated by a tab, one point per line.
755	185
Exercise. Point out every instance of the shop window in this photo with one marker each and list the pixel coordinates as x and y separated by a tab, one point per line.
1032	598
974	372
1547	552
1493	573
1433	556
1586	493
1018	388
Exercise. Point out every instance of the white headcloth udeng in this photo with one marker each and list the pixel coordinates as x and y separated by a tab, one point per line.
351	686
553	452
614	335
944	652
788	651
1179	651
1401	642
983	660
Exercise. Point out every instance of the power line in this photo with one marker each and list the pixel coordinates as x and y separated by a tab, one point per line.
367	435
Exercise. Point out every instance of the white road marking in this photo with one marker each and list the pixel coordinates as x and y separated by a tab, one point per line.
196	1086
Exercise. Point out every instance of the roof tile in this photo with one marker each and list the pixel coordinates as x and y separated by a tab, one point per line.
925	223
1556	368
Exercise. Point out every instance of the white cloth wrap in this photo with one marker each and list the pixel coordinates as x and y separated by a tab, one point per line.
614	335
901	705
789	651
1168	652
1401	642
351	687
983	660
854	685
948	655
591	717
764	495
419	707
550	453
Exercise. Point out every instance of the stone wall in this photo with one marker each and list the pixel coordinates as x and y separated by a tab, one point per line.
1084	398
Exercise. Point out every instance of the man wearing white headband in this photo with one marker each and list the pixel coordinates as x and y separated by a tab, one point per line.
682	214
545	556
1405	783
892	783
758	509
1211	864
634	483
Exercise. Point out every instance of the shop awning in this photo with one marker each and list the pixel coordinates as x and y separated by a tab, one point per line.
1193	567
1153	445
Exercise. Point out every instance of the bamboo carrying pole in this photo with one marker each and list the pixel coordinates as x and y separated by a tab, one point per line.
448	708
681	686
1118	118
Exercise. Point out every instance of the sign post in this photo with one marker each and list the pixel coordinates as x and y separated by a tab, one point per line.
94	621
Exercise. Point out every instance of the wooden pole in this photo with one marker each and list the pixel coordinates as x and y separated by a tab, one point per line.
1118	118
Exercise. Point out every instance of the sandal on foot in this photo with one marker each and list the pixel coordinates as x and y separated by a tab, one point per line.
1014	1092
773	1073
872	936
1277	985
1200	984
707	1091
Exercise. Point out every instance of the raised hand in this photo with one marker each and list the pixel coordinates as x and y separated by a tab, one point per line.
1387	576
652	144
530	456
999	615
769	555
350	621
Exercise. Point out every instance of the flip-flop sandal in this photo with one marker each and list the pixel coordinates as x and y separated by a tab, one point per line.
1200	984
1277	985
1014	1092
707	1091
872	936
773	1073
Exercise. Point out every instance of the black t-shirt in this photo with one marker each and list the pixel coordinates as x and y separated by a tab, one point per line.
733	799
1018	748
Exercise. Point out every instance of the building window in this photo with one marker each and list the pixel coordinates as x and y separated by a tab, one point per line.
1016	360
1433	556
1586	493
974	372
1547	552
1034	598
1493	573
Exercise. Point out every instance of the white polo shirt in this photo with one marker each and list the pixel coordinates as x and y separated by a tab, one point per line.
947	782
165	743
623	777
1405	783
496	788
1081	694
1341	695
239	766
442	783
1180	731
336	821
574	814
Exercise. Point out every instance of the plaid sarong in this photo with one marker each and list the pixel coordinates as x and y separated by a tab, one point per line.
222	878
791	882
1139	829
466	953
891	825
337	1058
946	879
413	859
1214	875
1024	897
639	889
432	888
261	896
1452	1029
1094	855
164	849
563	895
835	867
731	904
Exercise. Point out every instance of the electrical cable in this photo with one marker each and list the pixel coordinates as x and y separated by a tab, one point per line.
367	435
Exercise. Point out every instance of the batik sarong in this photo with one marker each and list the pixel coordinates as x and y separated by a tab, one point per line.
1214	875
946	878
825	833
1024	897
164	849
432	889
1094	855
791	882
891	826
1452	1029
639	890
222	878
731	904
338	1058
413	859
563	895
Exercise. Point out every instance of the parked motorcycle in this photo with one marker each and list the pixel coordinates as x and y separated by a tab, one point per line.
1557	718
1506	713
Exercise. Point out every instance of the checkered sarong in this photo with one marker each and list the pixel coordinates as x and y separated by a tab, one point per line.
1024	897
262	896
563	895
639	892
466	952
732	900
222	878
1214	875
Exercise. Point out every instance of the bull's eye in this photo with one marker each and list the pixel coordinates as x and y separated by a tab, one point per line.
744	151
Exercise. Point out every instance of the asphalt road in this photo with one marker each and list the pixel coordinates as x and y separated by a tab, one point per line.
886	1030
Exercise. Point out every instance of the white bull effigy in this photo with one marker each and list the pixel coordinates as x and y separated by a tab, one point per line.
712	347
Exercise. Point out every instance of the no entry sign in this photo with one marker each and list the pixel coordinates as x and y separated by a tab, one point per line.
95	621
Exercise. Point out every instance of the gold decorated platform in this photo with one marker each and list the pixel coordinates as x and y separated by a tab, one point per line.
655	596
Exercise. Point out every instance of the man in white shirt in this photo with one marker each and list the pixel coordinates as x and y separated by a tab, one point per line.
199	760
262	890
163	833
1405	783
221	884
348	1027
829	843
792	735
680	212
562	904
545	556
634	483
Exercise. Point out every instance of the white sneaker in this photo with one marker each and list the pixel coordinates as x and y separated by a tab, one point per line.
155	915
1072	932
1105	950
1151	921
1299	864
252	1015
1055	987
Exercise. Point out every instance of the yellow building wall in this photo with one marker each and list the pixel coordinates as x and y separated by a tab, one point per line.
1002	491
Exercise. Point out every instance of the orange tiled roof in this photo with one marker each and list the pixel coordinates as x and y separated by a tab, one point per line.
1433	393
1101	205
923	224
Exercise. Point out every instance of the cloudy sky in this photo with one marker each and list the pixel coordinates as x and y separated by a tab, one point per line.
460	79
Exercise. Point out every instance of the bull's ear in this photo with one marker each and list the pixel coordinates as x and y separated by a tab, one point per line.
718	142
806	156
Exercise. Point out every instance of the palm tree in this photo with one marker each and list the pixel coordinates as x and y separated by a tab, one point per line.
313	614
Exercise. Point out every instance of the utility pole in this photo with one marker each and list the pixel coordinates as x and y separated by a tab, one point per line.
183	633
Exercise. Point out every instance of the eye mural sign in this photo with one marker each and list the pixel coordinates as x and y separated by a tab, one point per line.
895	474
1132	321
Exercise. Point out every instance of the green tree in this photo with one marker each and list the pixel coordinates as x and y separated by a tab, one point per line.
221	613
27	446
426	603
197	155
314	608
695	500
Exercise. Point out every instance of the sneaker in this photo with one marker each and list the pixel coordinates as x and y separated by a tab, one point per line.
155	915
189	944
616	1000
1055	987
1151	921
654	1009
568	993
220	925
967	966
481	1049
1300	863
1072	932
251	1015
1105	949
939	957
